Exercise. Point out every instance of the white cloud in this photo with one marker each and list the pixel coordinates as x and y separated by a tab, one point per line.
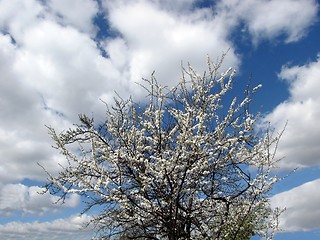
26	199
17	16
165	38
69	72
302	207
266	19
46	80
301	139
77	13
70	228
23	136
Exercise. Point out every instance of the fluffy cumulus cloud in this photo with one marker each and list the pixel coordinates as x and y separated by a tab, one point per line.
269	19
45	80
302	207
70	228
18	197
23	135
165	38
301	139
17	15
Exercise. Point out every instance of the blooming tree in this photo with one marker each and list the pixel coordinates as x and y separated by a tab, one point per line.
180	166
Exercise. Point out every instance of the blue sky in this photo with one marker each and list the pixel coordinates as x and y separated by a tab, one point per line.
59	57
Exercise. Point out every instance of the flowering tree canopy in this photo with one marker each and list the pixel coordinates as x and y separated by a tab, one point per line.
180	166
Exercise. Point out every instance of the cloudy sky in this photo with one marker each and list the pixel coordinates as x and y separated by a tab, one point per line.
58	58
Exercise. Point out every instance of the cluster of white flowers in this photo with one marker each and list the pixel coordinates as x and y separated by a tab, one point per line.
178	167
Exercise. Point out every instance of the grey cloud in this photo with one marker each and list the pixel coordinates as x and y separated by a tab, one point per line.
77	13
